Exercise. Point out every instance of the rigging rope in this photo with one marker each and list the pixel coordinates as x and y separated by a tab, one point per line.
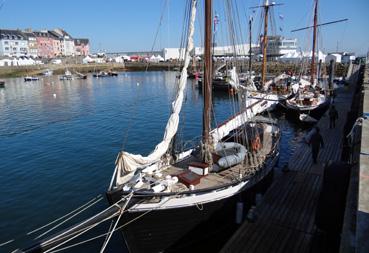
116	223
74	215
165	5
75	210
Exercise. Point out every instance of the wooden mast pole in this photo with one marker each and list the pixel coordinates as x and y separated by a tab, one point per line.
208	76
312	70
250	34
265	41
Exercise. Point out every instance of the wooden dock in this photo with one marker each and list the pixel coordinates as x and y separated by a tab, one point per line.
286	215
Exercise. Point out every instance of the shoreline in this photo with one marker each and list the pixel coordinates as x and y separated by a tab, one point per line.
37	70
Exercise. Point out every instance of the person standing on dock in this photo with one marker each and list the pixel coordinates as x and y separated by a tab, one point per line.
333	116
316	142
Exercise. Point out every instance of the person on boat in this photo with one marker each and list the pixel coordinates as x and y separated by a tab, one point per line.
316	142
333	116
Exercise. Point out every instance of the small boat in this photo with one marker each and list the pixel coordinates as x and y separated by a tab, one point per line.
67	76
2	84
112	73
47	72
80	75
101	74
31	78
307	101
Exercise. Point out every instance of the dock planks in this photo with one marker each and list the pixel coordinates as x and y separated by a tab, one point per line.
286	215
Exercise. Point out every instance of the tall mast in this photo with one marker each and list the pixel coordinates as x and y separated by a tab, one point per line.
266	7
208	76
312	70
265	41
250	24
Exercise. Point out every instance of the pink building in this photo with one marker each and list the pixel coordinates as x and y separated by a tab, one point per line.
45	44
82	47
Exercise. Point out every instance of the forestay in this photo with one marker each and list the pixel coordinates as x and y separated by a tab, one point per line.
127	162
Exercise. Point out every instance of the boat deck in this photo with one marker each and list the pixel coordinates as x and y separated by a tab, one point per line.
286	215
252	163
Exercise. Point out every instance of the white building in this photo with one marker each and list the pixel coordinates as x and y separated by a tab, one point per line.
278	46
295	57
337	58
173	53
288	46
219	51
348	57
13	43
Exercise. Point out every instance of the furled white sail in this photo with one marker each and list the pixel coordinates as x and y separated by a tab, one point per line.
276	79
233	79
127	162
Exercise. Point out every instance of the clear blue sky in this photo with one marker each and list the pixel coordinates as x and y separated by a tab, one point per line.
129	25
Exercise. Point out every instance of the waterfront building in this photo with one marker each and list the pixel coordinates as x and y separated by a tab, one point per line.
45	44
278	46
82	47
58	44
241	50
32	42
13	43
67	41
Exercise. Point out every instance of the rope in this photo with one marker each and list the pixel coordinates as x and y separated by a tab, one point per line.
51	229
33	231
61	236
116	229
5	243
116	223
157	30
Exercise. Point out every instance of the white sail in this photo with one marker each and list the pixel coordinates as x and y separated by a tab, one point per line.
127	162
233	79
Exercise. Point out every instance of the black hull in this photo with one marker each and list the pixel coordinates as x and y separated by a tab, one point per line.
316	113
193	228
219	85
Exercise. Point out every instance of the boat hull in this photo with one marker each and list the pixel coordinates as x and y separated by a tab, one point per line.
313	111
188	229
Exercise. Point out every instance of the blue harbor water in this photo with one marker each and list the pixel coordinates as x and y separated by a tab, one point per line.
59	141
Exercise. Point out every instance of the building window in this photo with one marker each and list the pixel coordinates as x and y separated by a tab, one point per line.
6	42
6	48
16	43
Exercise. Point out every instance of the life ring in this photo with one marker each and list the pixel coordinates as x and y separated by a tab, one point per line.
255	144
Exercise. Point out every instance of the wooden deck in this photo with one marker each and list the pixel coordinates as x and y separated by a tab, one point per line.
285	217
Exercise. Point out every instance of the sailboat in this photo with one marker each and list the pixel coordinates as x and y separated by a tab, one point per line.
277	89
67	76
173	195
310	98
165	201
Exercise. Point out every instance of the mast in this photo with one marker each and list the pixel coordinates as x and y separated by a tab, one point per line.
250	24
208	76
265	41
266	7
312	70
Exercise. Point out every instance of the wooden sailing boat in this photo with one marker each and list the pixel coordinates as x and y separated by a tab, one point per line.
169	190
164	201
310	97
279	88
